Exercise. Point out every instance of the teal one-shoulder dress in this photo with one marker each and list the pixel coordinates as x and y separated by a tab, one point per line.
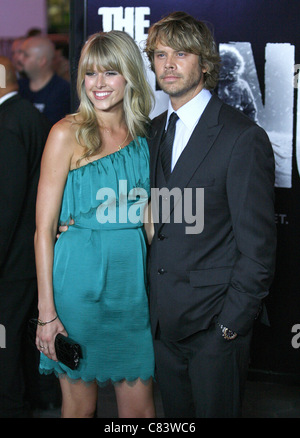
99	270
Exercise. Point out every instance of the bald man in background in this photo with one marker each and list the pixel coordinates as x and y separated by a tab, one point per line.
23	133
49	93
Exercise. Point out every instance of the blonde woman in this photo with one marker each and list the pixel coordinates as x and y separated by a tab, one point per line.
92	283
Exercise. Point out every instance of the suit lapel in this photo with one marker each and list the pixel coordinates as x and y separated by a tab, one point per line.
157	131
200	143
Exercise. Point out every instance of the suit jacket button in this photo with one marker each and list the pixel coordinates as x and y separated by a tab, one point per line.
161	271
161	236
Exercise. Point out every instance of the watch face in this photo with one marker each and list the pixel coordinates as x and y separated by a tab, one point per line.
228	334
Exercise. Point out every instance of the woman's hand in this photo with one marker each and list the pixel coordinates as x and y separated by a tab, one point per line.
45	337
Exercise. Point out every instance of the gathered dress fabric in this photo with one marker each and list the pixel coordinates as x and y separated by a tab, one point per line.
99	269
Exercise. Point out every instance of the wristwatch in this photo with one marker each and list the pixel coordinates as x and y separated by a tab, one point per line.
227	334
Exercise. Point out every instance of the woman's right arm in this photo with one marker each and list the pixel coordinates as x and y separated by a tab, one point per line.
55	166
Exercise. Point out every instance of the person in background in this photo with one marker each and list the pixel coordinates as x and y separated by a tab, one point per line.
42	86
209	275
23	134
16	53
34	31
61	60
92	283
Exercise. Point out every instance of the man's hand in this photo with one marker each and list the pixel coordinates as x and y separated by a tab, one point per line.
64	228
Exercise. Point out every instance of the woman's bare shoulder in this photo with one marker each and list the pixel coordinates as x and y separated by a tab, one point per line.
62	140
65	128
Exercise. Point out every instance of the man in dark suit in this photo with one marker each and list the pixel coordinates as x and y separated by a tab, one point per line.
23	133
207	283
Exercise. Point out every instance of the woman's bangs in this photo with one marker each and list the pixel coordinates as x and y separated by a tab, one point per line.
101	58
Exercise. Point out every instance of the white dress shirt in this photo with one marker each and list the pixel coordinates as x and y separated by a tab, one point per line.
189	115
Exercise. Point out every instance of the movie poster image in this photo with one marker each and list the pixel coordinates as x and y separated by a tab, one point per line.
239	87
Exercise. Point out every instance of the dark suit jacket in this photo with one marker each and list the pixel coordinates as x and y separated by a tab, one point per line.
226	270
23	133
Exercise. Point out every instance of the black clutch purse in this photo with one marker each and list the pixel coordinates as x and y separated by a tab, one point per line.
67	351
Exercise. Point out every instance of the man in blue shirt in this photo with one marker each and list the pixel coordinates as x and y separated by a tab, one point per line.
49	93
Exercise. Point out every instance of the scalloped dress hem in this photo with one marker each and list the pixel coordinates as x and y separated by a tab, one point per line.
101	384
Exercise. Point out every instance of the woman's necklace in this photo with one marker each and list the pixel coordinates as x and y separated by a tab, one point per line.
120	145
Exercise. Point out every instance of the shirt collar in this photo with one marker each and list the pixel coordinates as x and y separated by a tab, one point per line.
7	96
191	112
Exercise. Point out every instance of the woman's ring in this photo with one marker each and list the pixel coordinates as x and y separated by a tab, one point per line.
42	346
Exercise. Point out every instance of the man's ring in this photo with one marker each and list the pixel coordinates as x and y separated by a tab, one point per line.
42	346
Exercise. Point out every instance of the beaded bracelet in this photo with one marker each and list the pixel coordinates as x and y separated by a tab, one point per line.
39	322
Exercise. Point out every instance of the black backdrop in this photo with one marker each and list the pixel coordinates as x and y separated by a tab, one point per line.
275	349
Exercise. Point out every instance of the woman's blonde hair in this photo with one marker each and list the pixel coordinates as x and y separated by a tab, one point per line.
117	51
181	31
